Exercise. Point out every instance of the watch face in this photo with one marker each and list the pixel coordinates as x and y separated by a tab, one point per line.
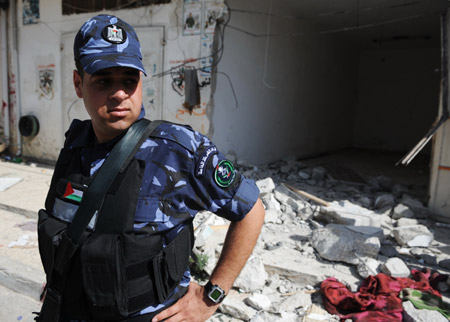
215	294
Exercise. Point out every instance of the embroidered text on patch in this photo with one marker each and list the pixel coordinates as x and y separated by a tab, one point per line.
204	160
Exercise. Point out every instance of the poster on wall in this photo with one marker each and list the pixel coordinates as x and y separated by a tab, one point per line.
192	17
46	75
206	54
212	12
30	11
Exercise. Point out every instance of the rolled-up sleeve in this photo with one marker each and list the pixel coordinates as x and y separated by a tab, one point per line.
218	185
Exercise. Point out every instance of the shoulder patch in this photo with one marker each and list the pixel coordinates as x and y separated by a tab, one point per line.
224	174
181	134
201	166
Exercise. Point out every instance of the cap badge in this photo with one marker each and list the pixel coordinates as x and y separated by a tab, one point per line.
114	34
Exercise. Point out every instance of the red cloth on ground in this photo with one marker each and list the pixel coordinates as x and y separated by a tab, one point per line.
377	298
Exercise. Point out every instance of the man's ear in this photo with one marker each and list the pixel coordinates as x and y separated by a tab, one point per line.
77	81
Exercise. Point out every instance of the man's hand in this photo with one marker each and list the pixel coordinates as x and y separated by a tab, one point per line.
192	307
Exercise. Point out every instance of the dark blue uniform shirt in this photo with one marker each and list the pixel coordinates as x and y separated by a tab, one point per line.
185	173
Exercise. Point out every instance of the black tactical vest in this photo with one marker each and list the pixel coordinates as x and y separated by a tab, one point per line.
117	271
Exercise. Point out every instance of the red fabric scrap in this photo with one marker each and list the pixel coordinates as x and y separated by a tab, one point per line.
377	298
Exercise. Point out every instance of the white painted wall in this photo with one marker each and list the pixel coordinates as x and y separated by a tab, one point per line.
298	92
45	44
299	103
398	97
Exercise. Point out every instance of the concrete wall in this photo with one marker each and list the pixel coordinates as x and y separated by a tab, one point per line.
440	166
47	44
398	97
298	100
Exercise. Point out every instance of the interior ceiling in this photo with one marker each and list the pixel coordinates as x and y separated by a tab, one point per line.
375	22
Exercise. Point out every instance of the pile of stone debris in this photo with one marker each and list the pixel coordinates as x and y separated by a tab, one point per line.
326	221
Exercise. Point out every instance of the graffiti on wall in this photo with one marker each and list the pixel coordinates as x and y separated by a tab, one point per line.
192	17
30	11
211	11
46	75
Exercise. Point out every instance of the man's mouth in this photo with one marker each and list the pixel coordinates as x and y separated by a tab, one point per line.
119	112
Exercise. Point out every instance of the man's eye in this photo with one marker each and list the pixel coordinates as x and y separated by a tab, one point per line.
102	81
131	81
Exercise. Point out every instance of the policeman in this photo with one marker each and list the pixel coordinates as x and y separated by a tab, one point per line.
176	173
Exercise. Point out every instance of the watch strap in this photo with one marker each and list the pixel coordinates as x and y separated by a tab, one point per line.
214	293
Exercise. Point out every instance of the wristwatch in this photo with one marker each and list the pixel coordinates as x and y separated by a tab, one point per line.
214	292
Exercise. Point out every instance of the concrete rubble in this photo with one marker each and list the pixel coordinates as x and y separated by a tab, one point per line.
328	226
322	220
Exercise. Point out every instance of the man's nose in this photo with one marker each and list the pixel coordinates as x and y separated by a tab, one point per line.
118	93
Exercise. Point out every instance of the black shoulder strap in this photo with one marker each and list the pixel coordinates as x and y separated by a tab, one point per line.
117	160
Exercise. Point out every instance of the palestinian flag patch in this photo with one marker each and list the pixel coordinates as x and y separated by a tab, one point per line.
72	194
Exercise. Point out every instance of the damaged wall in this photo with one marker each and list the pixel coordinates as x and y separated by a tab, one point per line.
46	65
297	100
398	97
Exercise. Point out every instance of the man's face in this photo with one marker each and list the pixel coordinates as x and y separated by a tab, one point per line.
112	97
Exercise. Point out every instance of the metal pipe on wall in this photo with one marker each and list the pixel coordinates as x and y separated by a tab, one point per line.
4	77
15	145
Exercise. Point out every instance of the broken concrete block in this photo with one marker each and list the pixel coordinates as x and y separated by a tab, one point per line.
410	201
416	206
388	250
368	231
293	302
264	317
253	276
288	217
368	266
234	305
202	234
220	317
395	267
413	236
272	216
300	270
407	222
265	185
289	317
258	301
270	202
303	175
365	202
346	213
295	204
425	254
402	211
443	260
387	224
282	194
317	314
339	243
384	201
411	314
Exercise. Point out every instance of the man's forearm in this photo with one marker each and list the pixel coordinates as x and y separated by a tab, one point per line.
238	246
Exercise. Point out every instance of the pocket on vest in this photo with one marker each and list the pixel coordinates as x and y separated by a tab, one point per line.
171	263
104	276
49	237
